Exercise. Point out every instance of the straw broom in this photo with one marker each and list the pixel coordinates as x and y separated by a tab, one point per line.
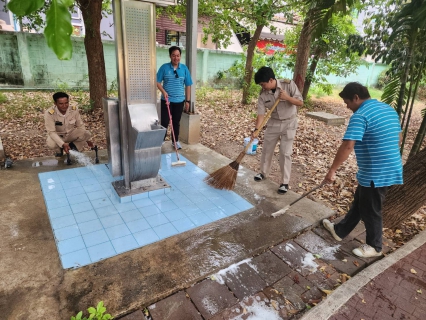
225	177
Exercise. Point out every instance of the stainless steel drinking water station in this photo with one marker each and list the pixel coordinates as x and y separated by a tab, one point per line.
134	134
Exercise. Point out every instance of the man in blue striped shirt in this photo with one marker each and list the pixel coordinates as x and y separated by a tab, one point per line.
174	81
374	132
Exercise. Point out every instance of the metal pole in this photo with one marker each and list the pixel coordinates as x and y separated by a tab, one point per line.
191	45
118	17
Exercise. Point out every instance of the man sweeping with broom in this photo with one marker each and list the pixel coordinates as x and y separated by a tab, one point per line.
281	126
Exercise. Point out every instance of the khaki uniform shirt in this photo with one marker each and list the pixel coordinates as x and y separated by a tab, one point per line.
284	110
59	125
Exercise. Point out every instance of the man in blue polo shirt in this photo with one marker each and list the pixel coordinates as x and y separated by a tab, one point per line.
374	132
174	81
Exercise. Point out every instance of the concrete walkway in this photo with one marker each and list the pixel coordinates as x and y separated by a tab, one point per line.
246	265
33	284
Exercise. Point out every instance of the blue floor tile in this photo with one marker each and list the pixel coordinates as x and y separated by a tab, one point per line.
101	251
94	238
200	219
138	225
111	220
215	214
184	224
96	195
175	214
71	192
62	222
81	207
149	211
165	230
106	211
71	245
90	226
90	222
124	244
146	237
85	216
157	219
78	199
118	231
166	206
67	232
76	259
59	212
100	203
131	215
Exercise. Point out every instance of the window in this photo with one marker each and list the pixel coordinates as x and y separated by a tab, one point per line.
175	38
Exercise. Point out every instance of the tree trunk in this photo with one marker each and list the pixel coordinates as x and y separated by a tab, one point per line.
249	64
404	200
419	139
302	55
310	75
92	15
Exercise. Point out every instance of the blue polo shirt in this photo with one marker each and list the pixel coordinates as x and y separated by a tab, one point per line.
174	86
375	128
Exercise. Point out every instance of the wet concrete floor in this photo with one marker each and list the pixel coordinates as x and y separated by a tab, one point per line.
33	284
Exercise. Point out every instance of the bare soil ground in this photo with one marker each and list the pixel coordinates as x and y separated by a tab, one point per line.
225	122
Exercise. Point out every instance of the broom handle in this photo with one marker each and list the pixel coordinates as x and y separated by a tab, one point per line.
306	193
265	119
171	125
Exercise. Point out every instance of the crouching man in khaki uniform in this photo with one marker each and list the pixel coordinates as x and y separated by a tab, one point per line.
65	129
281	126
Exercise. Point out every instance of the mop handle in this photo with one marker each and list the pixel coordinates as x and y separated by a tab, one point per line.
265	119
306	193
171	125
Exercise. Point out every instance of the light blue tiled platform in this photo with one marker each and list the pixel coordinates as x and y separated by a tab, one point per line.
91	223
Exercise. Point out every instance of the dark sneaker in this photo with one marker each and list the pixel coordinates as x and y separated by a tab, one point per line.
60	153
366	251
259	177
283	188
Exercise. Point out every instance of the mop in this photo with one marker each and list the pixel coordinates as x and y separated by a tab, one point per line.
178	162
283	210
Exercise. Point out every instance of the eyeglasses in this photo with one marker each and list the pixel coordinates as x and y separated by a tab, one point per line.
176	75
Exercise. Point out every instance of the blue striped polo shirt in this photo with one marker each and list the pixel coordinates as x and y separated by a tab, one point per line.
175	87
375	128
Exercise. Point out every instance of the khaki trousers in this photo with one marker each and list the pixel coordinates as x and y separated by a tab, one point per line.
78	136
285	130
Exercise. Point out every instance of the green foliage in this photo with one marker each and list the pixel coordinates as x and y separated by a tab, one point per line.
3	98
278	62
59	29
95	314
24	7
113	89
383	78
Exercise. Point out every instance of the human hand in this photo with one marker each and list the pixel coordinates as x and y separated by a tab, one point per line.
330	176
66	147
186	106
254	134
283	95
90	144
166	96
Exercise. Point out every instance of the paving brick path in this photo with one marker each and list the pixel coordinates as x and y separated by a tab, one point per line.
397	293
286	280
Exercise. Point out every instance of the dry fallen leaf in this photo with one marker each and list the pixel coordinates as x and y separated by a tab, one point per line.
345	260
356	263
327	292
419	291
413	271
363	301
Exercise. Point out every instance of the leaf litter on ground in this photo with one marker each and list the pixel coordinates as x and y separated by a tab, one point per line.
225	122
